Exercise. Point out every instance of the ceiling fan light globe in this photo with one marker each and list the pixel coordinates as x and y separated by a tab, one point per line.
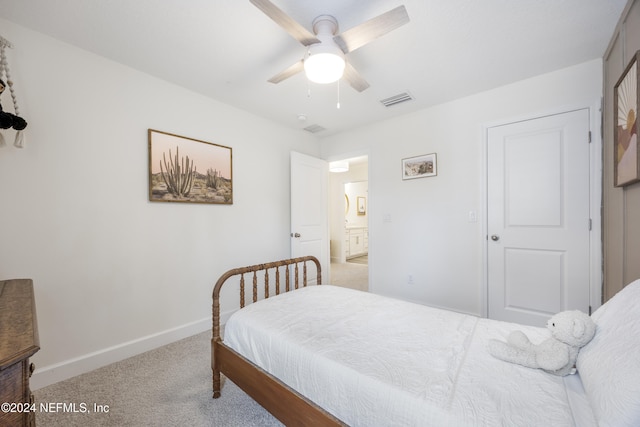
324	67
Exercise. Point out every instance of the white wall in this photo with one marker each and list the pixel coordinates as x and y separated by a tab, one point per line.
420	227
115	274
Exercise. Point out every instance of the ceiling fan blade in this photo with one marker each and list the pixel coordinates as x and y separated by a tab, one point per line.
296	30
292	70
370	30
354	78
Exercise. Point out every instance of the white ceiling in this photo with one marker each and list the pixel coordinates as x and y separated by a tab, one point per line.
227	49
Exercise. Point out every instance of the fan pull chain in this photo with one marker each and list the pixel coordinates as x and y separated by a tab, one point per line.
308	85
338	105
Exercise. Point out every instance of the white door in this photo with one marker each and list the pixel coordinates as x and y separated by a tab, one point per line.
538	217
309	210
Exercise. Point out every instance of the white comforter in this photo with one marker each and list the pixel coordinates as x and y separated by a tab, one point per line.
377	361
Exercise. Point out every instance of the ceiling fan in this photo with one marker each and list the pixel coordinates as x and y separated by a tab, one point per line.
327	47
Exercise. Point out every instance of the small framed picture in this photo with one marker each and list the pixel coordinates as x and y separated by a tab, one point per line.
362	205
419	166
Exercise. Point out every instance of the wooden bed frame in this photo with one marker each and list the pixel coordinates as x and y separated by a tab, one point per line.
284	403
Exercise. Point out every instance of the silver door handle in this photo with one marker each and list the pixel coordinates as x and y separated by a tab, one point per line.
495	237
295	234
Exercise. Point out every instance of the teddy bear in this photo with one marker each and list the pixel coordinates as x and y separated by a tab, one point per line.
570	330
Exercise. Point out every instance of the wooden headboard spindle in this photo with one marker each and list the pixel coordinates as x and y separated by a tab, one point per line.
241	290
266	283
255	286
304	274
288	287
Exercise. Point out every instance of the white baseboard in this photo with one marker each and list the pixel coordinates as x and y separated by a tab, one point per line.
47	375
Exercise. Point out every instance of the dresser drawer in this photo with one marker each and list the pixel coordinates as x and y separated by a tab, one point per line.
10	419
13	380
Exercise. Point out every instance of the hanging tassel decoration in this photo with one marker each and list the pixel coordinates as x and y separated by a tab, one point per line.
19	141
8	119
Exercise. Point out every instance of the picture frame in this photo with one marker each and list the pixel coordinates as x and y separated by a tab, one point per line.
362	205
420	166
187	170
626	158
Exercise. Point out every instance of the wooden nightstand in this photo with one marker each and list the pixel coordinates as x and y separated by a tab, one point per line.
18	341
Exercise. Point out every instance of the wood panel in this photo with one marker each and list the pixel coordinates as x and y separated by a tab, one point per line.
613	201
621	206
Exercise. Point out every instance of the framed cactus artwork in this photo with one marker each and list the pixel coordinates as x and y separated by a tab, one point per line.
187	170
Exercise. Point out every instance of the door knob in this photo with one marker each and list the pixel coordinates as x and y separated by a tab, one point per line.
295	234
495	237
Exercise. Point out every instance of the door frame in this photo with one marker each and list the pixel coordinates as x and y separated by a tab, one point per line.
595	197
370	205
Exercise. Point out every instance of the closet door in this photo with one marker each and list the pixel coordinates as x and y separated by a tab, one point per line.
538	217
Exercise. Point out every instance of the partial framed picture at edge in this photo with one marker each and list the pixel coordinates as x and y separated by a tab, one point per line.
625	100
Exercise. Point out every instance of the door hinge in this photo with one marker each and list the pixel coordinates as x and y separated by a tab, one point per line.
589	137
589	310
590	224
602	118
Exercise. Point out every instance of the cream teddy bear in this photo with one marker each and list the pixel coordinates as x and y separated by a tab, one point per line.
570	330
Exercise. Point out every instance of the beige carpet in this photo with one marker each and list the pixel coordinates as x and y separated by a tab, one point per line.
168	386
364	259
350	275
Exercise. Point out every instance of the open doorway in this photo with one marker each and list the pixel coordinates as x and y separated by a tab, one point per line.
349	223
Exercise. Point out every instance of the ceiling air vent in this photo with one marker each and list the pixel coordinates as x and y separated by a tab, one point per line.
397	99
314	128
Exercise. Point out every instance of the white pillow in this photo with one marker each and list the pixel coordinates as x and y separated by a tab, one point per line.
609	365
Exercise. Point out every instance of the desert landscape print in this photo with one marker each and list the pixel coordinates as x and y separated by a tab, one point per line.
188	170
